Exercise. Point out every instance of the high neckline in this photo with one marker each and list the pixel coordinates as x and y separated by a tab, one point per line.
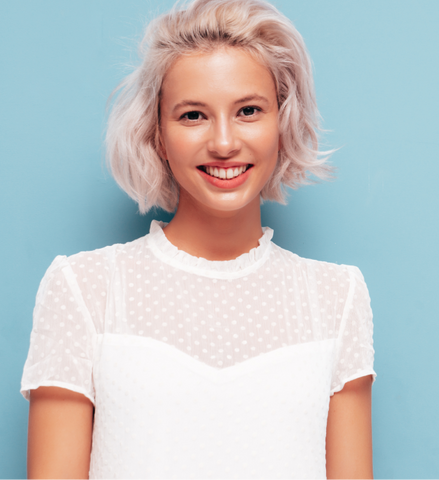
170	254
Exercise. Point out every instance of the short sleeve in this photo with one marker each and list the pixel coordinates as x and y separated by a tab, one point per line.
354	356
62	337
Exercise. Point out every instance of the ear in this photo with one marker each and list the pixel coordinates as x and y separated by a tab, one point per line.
162	151
161	146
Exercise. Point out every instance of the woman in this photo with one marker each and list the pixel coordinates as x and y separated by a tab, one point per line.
203	350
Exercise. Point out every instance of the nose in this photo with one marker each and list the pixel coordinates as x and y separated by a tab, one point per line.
223	139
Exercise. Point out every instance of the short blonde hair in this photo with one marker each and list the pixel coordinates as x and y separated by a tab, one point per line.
133	132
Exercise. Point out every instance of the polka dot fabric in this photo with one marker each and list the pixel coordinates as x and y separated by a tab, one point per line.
201	369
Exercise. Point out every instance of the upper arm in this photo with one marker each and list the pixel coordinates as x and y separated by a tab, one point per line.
60	433
61	355
349	426
349	431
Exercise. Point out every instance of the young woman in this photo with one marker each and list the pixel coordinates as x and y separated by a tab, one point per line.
203	350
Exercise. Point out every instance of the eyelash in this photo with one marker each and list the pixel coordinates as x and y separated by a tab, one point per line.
196	111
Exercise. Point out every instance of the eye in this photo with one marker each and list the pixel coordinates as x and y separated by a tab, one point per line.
249	111
192	116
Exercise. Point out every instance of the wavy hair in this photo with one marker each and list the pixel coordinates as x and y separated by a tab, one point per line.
257	27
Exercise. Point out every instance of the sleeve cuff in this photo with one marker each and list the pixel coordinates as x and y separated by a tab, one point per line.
359	374
26	387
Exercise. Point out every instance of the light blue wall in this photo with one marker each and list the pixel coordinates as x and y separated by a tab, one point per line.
377	81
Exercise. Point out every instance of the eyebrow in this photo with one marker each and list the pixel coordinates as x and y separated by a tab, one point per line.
249	98
188	103
194	103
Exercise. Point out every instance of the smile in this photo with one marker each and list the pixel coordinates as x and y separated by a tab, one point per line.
224	173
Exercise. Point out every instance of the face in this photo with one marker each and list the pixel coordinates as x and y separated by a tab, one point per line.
219	128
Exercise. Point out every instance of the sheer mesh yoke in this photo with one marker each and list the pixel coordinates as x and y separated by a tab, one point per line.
201	369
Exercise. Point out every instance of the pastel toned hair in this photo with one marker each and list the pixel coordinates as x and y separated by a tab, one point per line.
255	26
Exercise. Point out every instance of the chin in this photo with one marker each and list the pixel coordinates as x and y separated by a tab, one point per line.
231	204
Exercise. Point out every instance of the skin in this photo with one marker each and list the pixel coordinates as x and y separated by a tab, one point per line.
349	431
59	434
218	108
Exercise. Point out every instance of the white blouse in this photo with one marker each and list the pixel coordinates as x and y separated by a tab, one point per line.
201	369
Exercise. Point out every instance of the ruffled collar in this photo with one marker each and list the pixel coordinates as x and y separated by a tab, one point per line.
240	266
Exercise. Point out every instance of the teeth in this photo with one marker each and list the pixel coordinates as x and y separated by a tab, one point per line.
225	173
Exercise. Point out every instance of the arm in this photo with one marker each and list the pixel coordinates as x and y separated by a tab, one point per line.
60	434
349	431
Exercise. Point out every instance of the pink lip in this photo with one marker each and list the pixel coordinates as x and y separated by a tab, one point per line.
224	165
224	183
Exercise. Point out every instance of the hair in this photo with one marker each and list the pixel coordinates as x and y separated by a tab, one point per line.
255	26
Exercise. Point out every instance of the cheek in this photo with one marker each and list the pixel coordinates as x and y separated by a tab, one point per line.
181	151
265	143
174	143
180	143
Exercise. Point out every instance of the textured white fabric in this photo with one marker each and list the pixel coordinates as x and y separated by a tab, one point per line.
201	369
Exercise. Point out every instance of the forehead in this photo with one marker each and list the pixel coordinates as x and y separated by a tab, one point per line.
224	73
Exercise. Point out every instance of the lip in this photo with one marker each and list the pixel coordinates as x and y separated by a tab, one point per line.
225	165
226	183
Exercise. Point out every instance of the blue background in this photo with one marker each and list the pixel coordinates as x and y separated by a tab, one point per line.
377	82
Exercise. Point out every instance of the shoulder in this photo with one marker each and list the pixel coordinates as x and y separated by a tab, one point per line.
323	281
316	268
101	260
85	279
91	269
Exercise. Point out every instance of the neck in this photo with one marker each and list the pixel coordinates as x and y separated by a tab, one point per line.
214	235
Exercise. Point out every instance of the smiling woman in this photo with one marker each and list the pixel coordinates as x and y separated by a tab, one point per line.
203	350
